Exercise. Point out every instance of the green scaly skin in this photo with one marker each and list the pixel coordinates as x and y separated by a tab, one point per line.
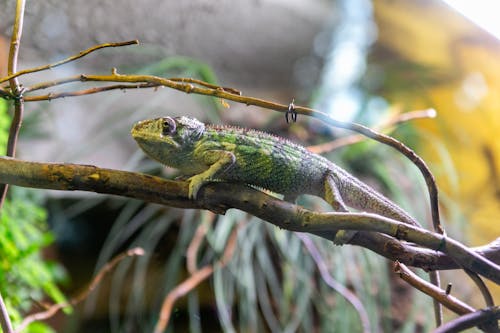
223	153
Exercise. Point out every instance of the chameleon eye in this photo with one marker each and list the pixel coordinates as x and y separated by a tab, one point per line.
168	126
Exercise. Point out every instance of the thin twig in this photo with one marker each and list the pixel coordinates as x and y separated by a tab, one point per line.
53	309
15	89
194	245
81	54
78	78
15	41
438	308
387	126
4	317
194	280
450	302
95	90
488	298
53	83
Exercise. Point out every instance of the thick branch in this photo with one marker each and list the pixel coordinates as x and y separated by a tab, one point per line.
219	197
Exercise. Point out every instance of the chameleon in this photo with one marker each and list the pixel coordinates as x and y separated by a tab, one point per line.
215	153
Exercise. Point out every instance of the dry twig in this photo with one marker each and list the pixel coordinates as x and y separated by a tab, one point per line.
387	126
193	281
52	310
450	302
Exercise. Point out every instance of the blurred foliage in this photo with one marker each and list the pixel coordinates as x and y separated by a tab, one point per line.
25	277
460	144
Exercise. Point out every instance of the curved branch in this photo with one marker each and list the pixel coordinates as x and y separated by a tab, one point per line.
449	301
485	317
81	54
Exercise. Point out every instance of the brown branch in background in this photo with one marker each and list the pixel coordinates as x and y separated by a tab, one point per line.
4	318
485	322
415	256
90	91
218	197
14	74
193	281
438	308
53	83
53	309
450	302
335	285
15	41
488	298
194	246
15	89
485	319
387	126
78	78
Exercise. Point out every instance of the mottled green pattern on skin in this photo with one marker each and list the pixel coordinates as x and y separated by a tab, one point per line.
224	153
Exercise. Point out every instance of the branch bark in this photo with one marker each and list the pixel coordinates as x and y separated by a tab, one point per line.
379	234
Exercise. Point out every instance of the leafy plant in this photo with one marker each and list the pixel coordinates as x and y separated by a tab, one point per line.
25	277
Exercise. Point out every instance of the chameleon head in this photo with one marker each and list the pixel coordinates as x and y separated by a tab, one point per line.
168	139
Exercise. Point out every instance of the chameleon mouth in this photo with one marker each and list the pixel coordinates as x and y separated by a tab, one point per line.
145	135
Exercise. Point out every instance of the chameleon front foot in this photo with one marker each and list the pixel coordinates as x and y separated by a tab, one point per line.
195	183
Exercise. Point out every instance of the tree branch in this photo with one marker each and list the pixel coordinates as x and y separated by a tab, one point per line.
430	289
53	309
14	74
15	89
218	197
478	318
